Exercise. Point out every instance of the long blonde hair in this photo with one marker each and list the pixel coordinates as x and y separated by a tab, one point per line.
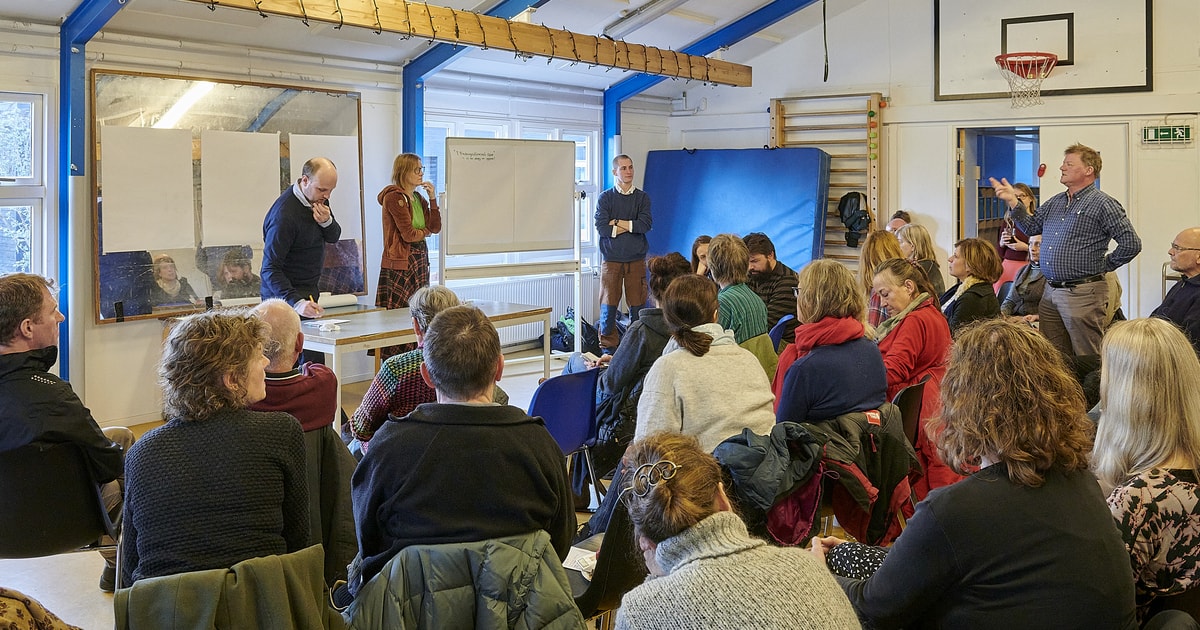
879	246
1150	400
918	237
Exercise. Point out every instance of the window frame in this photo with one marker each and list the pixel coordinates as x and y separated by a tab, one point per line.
32	191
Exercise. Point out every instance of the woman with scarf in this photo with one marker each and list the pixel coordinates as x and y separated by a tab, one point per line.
833	367
976	266
914	341
408	219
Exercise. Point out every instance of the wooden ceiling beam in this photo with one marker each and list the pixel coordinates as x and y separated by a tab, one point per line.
453	26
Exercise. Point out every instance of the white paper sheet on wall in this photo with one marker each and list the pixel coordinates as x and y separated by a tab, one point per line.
146	188
239	180
346	200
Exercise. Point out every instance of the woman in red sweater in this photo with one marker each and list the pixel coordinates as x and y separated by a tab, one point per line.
915	341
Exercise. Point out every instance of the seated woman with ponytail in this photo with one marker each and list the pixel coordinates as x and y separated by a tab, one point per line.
833	368
704	384
914	341
708	571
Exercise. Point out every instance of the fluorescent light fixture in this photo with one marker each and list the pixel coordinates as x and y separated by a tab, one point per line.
525	16
641	16
185	102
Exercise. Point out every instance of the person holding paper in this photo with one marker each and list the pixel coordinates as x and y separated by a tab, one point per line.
408	218
622	220
295	231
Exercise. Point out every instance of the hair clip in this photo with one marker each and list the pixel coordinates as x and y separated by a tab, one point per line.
647	476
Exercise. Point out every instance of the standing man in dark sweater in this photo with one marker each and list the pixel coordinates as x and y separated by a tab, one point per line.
772	280
463	469
295	232
622	220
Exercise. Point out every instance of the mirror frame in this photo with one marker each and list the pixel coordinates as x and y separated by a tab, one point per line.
96	184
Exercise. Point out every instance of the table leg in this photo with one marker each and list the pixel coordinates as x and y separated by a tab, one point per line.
335	364
546	347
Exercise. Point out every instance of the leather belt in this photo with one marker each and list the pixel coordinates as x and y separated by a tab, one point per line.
1074	283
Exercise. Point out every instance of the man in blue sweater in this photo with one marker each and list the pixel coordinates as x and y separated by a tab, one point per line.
295	231
622	220
1181	306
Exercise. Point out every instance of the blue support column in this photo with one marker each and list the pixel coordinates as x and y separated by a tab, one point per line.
77	30
412	112
728	35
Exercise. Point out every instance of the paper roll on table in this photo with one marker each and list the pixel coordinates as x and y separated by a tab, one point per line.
331	301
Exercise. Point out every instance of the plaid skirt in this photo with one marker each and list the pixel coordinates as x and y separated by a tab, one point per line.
396	287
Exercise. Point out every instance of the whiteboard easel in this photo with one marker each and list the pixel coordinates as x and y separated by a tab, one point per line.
509	196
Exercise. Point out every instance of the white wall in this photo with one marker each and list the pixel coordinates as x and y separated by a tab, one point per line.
887	46
113	365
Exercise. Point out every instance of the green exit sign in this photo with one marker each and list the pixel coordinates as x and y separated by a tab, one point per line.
1167	133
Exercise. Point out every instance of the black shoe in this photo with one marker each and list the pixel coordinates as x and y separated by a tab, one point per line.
108	579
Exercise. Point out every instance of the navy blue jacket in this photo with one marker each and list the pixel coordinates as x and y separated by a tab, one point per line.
833	380
294	250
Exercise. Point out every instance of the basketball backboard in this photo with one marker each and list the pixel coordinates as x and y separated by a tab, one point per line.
1105	48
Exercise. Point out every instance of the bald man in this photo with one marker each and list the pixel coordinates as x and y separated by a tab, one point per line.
1181	306
295	231
308	392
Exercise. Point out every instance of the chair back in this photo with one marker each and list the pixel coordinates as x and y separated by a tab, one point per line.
619	568
909	401
49	502
1005	289
567	403
1187	601
776	333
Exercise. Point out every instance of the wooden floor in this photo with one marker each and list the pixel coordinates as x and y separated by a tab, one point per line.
68	584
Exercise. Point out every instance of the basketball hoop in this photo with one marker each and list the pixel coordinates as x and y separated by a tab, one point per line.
1024	72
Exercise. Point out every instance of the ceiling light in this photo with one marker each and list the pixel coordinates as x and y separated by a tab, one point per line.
181	107
641	16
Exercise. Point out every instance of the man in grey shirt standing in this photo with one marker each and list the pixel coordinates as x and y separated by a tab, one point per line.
1076	227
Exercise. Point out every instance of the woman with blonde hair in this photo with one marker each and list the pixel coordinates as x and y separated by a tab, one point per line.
976	266
914	341
917	246
218	483
833	367
709	572
1147	451
879	246
1026	540
408	219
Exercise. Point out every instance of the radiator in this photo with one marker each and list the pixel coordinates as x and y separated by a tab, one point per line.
556	291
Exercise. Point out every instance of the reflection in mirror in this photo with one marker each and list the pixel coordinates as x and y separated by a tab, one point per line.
185	171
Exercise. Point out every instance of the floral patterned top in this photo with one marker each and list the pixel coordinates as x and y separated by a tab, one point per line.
1159	520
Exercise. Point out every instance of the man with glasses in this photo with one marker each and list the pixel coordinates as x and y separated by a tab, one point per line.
1181	306
1076	226
463	469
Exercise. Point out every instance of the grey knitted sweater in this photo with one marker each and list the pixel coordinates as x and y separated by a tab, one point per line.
720	577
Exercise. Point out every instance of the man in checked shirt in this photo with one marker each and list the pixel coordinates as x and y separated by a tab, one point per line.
1076	227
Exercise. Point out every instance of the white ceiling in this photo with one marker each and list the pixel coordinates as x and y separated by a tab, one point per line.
191	21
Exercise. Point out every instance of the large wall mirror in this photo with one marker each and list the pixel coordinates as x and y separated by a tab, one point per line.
185	170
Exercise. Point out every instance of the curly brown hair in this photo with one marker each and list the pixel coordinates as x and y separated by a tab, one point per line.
200	351
1008	396
672	505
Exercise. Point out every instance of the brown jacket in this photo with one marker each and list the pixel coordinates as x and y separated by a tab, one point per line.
398	230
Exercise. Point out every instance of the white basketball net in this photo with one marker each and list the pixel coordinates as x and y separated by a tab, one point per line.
1024	73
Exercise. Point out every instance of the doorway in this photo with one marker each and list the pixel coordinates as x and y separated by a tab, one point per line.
1013	153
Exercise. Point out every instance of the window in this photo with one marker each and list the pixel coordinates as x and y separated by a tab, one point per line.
22	189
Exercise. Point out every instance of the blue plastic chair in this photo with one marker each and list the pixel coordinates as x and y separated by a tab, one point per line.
776	333
567	404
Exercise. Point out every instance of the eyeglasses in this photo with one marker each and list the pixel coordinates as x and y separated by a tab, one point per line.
796	291
1177	248
647	476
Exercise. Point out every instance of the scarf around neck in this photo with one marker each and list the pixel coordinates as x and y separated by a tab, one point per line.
829	331
890	323
969	282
